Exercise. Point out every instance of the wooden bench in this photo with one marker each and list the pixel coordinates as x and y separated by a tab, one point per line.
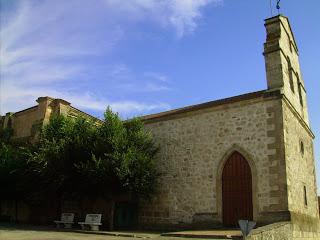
92	220
66	219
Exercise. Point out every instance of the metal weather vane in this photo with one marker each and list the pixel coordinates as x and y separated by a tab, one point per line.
278	6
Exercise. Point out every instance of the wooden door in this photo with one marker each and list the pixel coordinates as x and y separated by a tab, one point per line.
236	190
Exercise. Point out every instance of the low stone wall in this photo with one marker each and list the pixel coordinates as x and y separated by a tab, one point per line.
283	231
306	230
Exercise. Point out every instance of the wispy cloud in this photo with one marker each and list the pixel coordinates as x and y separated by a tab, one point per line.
182	15
124	79
17	97
51	48
156	75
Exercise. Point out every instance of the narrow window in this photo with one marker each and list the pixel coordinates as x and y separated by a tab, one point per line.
290	74
305	195
300	93
302	148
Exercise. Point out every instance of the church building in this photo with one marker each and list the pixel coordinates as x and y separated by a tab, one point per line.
245	157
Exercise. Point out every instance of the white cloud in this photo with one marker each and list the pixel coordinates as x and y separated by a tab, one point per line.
45	46
124	79
156	75
185	13
154	87
17	99
182	15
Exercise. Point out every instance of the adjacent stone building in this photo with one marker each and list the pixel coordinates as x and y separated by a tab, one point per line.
26	124
245	157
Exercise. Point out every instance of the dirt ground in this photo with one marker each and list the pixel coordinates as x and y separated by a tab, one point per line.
41	233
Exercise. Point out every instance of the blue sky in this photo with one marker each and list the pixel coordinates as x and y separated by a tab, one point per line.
146	56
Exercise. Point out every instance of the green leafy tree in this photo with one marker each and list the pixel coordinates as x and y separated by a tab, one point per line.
78	158
74	157
13	164
123	158
64	142
137	171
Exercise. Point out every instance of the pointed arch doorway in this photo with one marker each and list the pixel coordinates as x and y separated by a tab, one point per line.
236	190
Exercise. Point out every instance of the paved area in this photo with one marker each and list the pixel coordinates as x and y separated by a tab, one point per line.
45	233
213	234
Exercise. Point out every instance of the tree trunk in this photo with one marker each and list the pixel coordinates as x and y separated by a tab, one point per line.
111	215
16	210
59	205
81	207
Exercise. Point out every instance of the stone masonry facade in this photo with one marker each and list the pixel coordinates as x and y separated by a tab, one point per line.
193	149
26	124
269	128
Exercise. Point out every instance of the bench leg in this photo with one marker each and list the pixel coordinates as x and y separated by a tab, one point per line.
68	225
82	226
94	227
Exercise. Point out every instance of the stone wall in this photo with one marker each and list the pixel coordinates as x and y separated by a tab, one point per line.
282	63
193	148
23	122
26	124
282	231
275	231
283	72
300	167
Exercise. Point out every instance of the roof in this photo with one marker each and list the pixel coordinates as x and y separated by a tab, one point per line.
86	114
56	100
235	99
25	110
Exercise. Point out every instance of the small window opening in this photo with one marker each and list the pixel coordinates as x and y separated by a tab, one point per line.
302	148
290	74
300	92
305	195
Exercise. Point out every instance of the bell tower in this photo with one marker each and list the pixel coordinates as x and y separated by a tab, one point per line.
296	161
282	64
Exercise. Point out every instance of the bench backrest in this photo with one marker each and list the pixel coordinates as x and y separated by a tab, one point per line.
93	218
67	217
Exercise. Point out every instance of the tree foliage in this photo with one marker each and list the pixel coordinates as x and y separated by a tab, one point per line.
122	158
13	162
77	158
